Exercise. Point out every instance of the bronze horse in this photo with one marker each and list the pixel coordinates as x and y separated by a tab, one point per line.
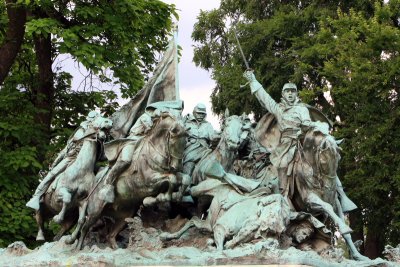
218	163
235	217
152	174
317	185
73	185
317	188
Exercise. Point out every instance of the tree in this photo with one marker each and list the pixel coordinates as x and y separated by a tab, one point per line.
122	37
349	49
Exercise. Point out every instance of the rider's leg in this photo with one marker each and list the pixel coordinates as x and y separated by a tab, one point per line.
34	202
317	204
354	253
124	160
185	181
188	167
283	181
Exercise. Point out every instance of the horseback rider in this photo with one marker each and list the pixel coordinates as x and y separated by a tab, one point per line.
63	160
293	120
121	152
201	135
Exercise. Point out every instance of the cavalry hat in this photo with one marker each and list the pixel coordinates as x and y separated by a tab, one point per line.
289	86
92	115
200	108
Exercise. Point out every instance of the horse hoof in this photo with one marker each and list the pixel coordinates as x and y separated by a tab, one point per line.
149	201
40	236
68	240
114	245
165	237
58	219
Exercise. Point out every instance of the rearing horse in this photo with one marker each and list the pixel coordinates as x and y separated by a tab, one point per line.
73	185
152	174
316	189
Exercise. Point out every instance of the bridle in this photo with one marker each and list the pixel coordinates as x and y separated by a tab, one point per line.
318	160
169	156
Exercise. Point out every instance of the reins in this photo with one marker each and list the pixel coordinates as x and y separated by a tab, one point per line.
318	162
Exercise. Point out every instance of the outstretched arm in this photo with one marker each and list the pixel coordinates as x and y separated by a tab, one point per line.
263	97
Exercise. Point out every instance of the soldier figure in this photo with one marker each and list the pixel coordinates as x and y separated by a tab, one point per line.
65	158
293	120
120	153
201	135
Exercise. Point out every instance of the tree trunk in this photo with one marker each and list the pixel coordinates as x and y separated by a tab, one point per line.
356	223
14	37
373	245
44	93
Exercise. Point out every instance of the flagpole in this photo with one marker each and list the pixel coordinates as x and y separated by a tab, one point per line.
176	62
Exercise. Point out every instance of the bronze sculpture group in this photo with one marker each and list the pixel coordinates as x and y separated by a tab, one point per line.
275	179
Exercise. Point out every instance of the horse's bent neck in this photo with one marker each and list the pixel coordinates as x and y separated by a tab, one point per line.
87	155
158	141
224	155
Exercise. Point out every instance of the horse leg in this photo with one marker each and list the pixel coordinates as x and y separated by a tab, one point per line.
169	236
66	199
219	237
317	204
40	223
94	208
354	253
195	221
245	234
65	226
117	227
81	220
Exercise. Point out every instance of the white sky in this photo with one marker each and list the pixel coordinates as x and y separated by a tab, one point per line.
195	84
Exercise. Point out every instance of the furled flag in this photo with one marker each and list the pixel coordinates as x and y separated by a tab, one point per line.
162	86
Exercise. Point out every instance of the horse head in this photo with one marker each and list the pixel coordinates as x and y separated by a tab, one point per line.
322	152
169	138
102	127
234	131
328	156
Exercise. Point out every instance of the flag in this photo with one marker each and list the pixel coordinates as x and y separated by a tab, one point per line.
162	86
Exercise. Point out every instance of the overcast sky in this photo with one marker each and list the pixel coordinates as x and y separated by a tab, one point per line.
195	83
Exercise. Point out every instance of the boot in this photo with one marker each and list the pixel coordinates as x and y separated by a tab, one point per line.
34	202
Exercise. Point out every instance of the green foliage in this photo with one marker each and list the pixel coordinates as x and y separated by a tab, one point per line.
121	37
349	50
19	165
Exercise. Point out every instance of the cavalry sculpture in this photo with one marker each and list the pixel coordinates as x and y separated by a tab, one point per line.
236	217
75	176
151	177
285	184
